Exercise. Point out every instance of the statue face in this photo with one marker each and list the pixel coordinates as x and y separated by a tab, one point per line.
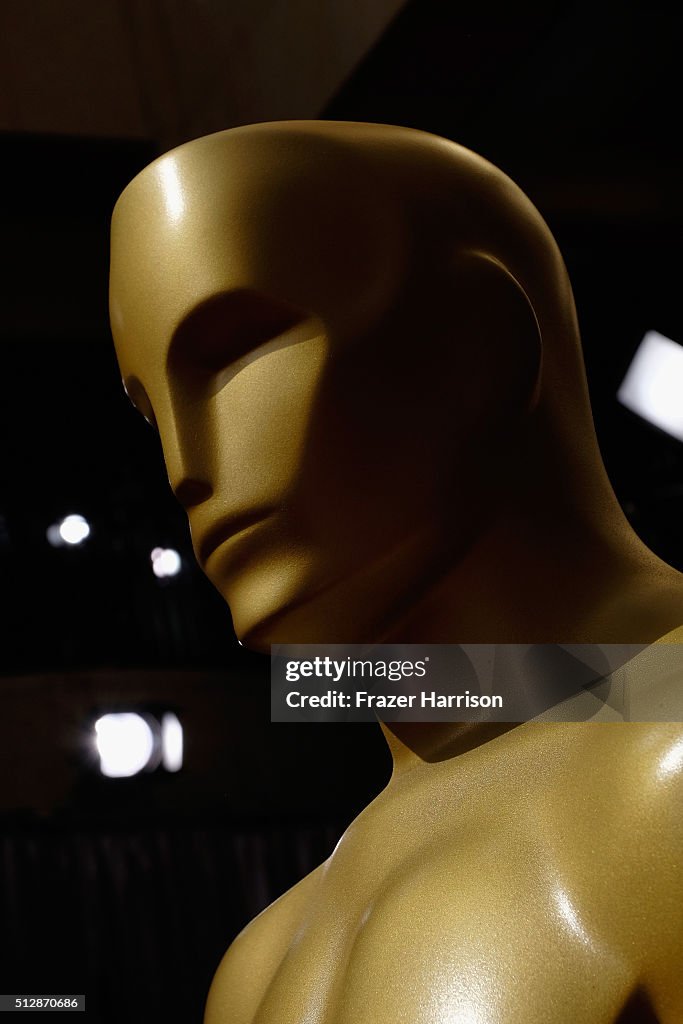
315	417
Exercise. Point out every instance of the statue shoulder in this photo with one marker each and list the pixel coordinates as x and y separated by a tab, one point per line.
653	850
255	955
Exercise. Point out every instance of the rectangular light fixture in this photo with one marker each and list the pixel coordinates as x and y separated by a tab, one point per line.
653	385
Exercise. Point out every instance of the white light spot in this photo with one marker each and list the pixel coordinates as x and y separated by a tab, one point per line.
172	189
568	913
72	530
165	562
653	385
171	742
125	744
672	761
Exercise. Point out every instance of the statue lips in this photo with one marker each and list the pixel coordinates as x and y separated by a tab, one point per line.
226	528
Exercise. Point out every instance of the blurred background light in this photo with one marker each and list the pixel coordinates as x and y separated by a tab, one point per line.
125	743
54	537
171	742
165	562
74	529
653	385
70	531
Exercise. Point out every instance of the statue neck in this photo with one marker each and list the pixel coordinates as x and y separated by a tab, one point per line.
557	562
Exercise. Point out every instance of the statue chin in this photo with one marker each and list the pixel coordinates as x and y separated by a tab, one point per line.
264	592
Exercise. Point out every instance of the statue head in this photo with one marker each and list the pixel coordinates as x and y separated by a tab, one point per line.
350	338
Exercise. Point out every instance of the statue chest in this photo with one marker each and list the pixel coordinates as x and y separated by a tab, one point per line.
486	932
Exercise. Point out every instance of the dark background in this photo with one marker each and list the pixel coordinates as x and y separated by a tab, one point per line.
130	890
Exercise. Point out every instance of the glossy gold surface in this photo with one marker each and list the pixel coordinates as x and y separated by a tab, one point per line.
534	879
360	348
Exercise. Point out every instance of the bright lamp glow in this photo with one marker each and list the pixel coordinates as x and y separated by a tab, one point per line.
74	529
71	530
125	744
171	742
653	385
165	562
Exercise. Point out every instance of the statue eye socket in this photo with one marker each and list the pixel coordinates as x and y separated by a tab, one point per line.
138	396
227	327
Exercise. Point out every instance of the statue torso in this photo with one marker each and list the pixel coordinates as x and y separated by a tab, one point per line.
520	882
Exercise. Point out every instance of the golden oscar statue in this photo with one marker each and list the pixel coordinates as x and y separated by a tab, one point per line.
359	346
